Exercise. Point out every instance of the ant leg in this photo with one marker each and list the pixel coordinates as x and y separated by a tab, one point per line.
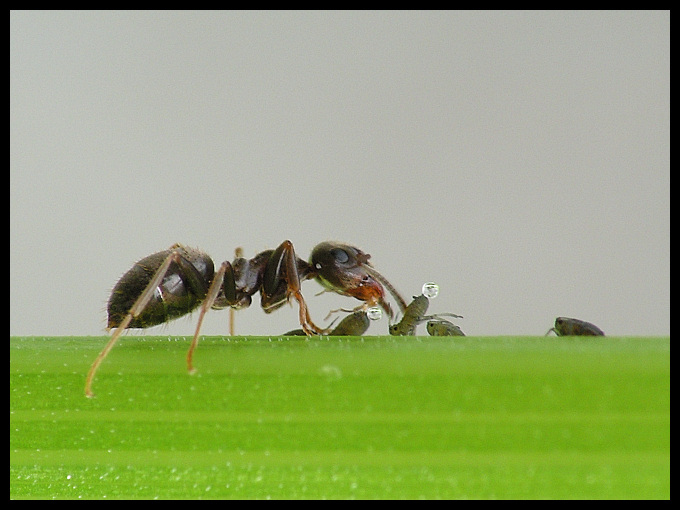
210	297
338	310
238	253
293	280
274	274
305	320
136	309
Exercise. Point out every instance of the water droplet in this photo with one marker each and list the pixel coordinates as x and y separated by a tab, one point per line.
430	289
374	313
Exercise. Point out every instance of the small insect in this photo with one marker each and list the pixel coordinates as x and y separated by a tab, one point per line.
355	324
174	282
414	315
564	326
442	327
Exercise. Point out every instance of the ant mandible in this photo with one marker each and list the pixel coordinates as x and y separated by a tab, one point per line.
174	282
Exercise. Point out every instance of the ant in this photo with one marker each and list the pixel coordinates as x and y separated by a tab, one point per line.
174	282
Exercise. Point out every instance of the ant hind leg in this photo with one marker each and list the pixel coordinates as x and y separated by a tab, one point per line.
135	310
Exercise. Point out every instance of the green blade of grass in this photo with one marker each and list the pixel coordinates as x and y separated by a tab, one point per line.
373	417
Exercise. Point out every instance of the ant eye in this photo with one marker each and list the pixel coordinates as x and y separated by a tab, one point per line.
340	255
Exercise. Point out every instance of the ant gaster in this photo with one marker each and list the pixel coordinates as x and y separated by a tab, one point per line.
174	282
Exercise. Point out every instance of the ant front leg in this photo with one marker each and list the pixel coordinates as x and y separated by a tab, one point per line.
281	281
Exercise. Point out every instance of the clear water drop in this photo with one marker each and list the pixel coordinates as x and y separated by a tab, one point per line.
374	313
430	290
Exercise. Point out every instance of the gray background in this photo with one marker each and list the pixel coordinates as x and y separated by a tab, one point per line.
521	160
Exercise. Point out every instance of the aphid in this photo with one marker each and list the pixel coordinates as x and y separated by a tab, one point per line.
564	326
174	282
355	324
295	332
442	327
414	315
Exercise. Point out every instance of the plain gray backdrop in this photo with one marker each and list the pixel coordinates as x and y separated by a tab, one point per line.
521	160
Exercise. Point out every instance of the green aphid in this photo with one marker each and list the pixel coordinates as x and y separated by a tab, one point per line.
442	327
355	324
414	315
565	326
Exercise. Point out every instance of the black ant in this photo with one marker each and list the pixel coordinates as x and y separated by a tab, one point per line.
174	282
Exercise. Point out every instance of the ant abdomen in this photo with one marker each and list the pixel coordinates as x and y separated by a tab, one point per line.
181	291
